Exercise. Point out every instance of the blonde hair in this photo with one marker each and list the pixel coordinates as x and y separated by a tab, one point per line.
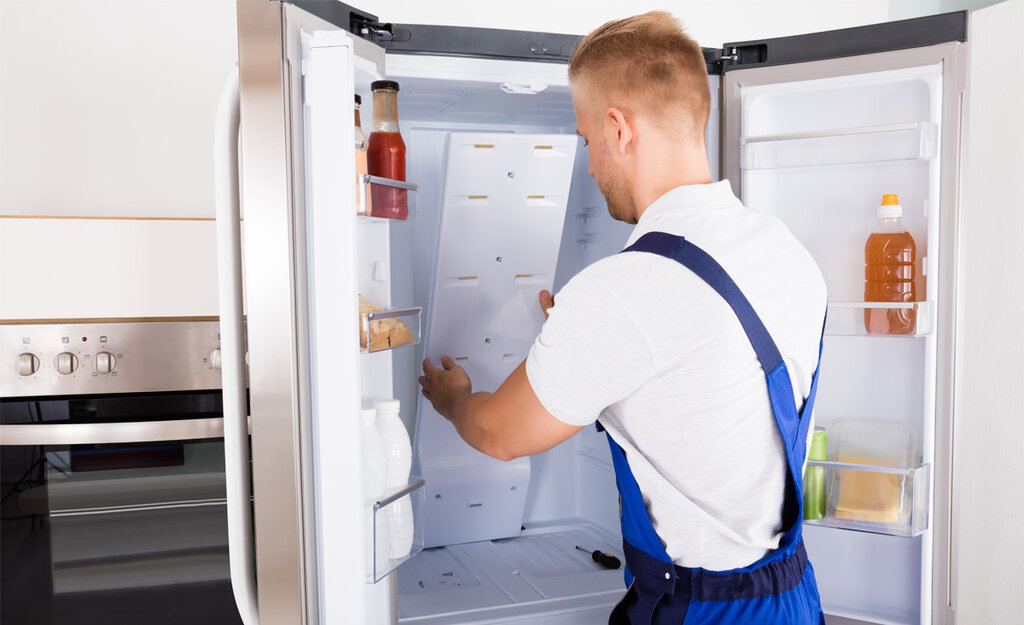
646	63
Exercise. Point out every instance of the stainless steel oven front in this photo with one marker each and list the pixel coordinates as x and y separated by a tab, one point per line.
112	470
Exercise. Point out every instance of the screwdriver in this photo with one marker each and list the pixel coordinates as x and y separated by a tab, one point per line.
606	560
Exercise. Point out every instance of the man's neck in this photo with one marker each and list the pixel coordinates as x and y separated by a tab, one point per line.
662	170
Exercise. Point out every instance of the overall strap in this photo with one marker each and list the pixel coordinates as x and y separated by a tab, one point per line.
707	268
638	532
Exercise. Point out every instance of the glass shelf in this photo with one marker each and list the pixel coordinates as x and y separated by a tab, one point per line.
380	330
384	198
867	144
894	319
873	498
401	503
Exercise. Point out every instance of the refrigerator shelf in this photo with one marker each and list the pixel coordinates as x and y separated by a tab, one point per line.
854	318
381	330
843	146
378	192
873	498
383	510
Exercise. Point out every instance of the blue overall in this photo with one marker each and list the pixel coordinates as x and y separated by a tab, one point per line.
779	588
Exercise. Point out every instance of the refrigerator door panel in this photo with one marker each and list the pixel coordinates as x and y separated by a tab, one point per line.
267	203
300	232
988	463
817	144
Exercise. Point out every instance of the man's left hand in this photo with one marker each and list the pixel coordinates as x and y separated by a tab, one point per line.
445	388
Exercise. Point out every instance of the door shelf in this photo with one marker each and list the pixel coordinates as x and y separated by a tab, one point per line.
376	193
400	503
890	319
871	498
380	330
845	146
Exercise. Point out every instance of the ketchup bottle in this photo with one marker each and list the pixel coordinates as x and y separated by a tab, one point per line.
386	153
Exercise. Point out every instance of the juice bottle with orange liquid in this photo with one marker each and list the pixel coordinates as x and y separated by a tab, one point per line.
889	272
386	153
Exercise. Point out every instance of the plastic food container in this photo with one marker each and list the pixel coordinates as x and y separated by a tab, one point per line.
885	495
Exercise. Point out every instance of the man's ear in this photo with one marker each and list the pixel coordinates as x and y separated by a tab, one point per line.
622	125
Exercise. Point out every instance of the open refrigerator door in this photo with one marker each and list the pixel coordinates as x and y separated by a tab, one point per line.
500	202
819	144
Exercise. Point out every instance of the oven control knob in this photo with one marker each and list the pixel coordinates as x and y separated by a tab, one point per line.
28	364
104	362
215	359
66	363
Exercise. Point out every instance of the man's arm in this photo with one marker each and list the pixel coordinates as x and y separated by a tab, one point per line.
506	424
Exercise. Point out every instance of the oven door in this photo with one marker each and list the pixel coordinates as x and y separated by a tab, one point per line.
113	510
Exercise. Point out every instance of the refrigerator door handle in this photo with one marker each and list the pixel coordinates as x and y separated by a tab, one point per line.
236	431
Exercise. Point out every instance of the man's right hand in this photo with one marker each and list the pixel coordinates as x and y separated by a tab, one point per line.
547	300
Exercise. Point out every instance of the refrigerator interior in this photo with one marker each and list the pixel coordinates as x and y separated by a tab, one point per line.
570	497
820	154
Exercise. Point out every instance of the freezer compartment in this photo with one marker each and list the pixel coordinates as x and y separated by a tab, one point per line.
380	330
538	576
879	318
874	498
396	528
384	198
841	146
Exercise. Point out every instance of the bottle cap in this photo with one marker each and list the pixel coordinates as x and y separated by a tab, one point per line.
890	207
387	405
384	84
368	416
359	100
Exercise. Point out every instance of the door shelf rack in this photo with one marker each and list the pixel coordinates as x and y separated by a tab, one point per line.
383	562
854	318
376	191
873	498
381	330
842	146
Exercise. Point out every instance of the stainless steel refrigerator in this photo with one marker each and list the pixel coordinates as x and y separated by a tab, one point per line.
813	128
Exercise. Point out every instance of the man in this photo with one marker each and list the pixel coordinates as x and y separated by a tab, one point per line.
665	343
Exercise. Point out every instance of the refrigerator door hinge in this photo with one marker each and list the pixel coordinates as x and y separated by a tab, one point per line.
720	61
713	60
371	29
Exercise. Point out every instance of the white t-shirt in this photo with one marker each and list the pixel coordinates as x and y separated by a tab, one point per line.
641	342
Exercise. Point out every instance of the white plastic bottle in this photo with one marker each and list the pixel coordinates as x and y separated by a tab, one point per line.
398	450
374	487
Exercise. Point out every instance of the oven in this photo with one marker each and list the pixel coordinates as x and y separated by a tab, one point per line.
112	467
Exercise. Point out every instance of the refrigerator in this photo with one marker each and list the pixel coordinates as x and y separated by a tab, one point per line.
813	128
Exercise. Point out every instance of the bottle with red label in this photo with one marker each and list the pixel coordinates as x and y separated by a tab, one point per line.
386	153
890	257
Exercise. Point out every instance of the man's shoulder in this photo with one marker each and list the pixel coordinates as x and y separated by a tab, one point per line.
620	273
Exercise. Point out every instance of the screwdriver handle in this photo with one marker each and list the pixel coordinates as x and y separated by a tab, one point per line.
606	560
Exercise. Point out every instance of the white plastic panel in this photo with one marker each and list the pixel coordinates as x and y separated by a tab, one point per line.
503	207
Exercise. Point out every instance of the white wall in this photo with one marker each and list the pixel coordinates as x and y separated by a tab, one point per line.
107	107
905	9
